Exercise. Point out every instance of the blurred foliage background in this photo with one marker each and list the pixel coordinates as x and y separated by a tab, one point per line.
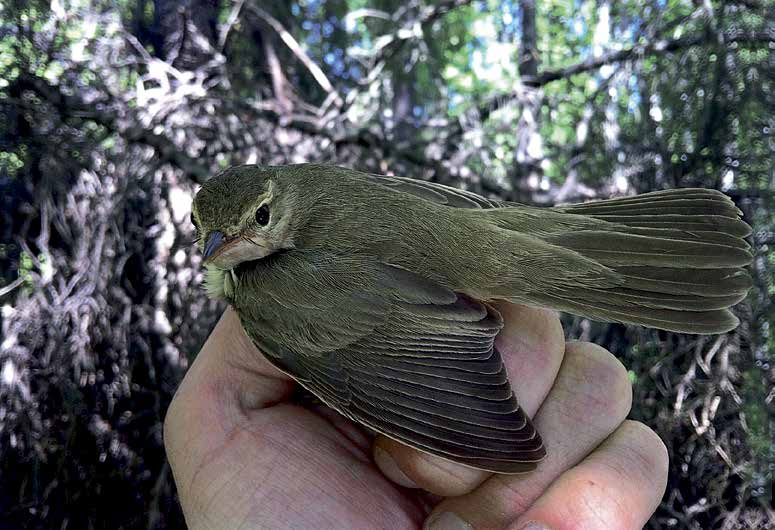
114	112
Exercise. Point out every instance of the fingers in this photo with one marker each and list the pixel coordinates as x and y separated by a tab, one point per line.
590	399
532	346
617	487
228	379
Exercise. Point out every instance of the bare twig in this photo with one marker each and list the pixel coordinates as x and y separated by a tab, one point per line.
298	51
386	46
11	286
234	14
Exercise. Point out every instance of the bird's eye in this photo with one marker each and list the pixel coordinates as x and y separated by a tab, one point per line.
262	215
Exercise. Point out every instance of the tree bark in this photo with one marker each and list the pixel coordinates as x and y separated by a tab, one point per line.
528	53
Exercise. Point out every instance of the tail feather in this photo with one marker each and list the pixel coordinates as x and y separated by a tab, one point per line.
685	200
706	236
680	302
679	255
623	248
702	282
680	223
688	209
702	322
675	207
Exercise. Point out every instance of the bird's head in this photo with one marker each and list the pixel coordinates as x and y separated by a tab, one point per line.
242	214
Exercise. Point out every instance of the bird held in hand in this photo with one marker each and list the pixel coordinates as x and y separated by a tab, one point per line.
376	293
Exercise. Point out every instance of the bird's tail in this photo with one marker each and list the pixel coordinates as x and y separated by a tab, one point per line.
677	259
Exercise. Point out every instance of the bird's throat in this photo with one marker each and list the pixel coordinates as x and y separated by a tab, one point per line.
220	284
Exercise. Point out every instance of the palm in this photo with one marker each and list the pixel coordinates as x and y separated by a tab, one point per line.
282	464
245	456
313	473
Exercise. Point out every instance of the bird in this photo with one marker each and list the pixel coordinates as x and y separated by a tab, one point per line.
378	293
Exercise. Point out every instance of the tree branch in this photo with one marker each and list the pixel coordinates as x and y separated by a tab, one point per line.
640	50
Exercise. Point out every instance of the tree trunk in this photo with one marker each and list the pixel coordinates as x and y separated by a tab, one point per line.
529	149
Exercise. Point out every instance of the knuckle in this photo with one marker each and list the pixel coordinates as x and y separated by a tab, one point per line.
436	475
607	378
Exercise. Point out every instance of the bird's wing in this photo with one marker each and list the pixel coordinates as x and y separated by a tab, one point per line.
435	192
426	373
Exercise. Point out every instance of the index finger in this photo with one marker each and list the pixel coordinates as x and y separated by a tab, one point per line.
532	346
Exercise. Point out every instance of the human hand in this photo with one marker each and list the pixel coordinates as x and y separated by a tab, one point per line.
243	456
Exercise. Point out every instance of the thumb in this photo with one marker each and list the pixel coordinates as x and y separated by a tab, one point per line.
228	381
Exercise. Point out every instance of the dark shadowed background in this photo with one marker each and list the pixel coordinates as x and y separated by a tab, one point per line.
112	113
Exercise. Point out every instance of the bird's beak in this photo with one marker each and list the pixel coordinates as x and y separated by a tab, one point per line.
214	241
225	253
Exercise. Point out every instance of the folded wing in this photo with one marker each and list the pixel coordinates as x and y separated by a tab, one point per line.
427	374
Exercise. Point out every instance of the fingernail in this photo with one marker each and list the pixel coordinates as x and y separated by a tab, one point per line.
446	521
534	526
390	469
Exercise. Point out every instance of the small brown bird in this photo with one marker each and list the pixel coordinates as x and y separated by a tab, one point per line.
375	293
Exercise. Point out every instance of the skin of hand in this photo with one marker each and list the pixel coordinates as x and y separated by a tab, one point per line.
243	456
